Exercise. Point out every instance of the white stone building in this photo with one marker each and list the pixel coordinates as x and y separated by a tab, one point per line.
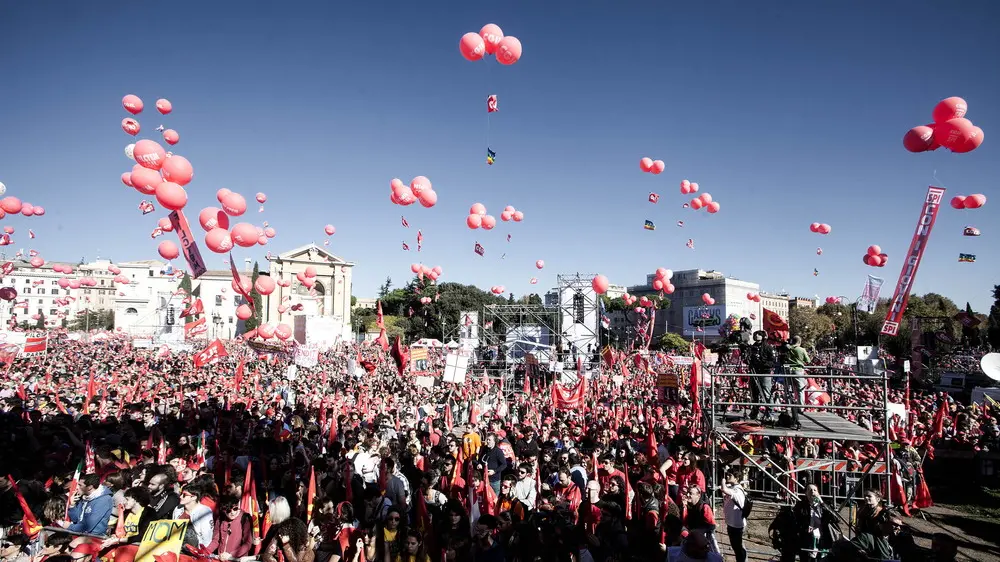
38	289
326	307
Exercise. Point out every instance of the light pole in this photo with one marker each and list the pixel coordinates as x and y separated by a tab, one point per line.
854	316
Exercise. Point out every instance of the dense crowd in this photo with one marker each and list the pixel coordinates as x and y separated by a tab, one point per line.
354	460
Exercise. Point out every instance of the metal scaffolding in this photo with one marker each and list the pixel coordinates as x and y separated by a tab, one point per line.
774	477
579	316
501	328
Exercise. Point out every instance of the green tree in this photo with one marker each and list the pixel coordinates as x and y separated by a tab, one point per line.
354	301
993	321
672	342
809	325
385	288
532	299
251	323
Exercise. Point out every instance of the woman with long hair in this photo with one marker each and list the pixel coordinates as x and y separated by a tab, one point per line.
413	548
292	539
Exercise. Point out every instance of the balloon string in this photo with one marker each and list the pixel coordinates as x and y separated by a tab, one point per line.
937	182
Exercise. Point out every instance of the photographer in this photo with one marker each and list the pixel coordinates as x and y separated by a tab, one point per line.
761	360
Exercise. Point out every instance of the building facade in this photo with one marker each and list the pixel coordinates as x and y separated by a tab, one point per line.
801	302
40	295
777	303
328	301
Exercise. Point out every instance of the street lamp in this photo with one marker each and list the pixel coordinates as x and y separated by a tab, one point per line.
854	316
217	320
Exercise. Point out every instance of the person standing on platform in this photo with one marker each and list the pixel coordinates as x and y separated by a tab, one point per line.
796	381
761	361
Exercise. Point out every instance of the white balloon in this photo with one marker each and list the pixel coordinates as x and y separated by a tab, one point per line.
670	274
130	151
3	188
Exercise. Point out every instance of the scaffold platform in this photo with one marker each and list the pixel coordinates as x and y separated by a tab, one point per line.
815	425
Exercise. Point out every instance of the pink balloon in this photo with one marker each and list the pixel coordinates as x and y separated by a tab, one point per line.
244	234
477	209
8	229
213	217
168	250
658	284
39	211
219	241
949	108
415	267
954	133
705	198
67	269
696	204
27	209
600	284
283	331
825	228
646	164
171	137
975	201
221	194
266	331
428	198
178	170
261	197
165	224
145	180
685	184
509	51
243	312
669	288
685	189
265	285
310	271
713	207
63	283
37	262
875	261
234	204
243	284
489	222
270	232
918	139
262	240
506	216
149	154
472	46
971	142
130	126
11	204
518	216
329	230
540	264
171	196
658	166
474	221
420	184
396	185
874	250
127	179
491	35
694	187
164	106
814	227
132	104
437	269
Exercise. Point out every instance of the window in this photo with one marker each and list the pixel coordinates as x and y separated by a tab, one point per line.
230	319
26	280
41	290
55	282
52	311
150	272
131	311
39	302
27	290
102	282
218	300
237	300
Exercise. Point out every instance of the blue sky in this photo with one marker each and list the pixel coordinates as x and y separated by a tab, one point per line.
786	113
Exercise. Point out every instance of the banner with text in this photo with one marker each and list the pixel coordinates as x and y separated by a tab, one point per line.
869	296
708	318
911	261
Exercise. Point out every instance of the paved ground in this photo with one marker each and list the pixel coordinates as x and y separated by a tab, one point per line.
979	538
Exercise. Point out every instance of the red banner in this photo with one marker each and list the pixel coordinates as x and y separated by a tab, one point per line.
569	398
238	283
210	354
196	329
35	345
188	244
901	296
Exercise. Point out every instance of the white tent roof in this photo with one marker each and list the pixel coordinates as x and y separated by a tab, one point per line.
427	342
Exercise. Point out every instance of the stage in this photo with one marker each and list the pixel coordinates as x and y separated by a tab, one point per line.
815	425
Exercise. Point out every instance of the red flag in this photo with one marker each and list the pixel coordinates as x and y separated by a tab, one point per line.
311	494
88	457
448	421
210	354
695	383
238	284
379	320
400	355
29	523
571	398
939	417
490	495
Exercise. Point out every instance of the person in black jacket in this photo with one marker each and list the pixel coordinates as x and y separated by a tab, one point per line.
162	498
495	462
760	358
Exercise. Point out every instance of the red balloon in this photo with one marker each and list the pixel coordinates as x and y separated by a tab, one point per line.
657	167
867	259
474	221
489	222
243	312
971	142
713	207
330	230
955	133
132	104
261	197
39	211
310	271
145	180
164	106
600	284
824	228
918	139
975	201
171	196
149	154
127	179
212	217
130	126
696	204
178	170
874	250
472	46
949	108
266	331
814	227
270	232
658	284
37	262
234	204
219	241
11	204
165	224
27	209
283	331
244	234
875	260
168	250
171	137
646	164
264	285
958	202
428	198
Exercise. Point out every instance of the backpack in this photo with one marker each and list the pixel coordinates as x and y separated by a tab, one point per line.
747	506
783	527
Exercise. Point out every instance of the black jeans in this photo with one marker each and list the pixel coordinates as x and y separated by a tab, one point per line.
760	392
736	543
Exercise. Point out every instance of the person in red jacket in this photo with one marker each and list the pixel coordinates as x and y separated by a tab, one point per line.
698	516
689	475
233	535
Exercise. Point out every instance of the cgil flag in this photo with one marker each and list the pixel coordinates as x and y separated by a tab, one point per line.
654	197
491	104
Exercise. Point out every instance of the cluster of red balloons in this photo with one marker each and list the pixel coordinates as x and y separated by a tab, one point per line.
497	289
600	284
268	331
874	257
755	297
662	280
688	187
11	205
490	41
950	129
134	105
832	300
479	219
307	277
705	200
974	201
425	271
820	228
509	213
215	222
707	299
420	189
652	166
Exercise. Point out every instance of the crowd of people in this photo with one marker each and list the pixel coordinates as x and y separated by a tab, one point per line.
331	463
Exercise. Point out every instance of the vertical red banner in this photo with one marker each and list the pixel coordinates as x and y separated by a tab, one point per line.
911	262
188	244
